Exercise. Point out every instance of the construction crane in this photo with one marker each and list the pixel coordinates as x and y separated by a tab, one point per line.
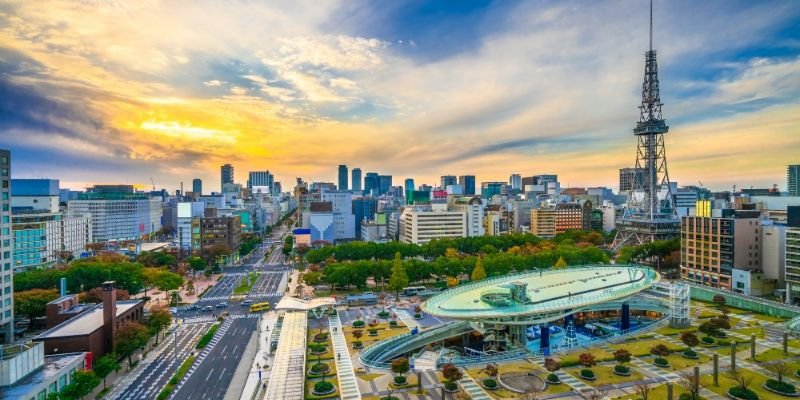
154	184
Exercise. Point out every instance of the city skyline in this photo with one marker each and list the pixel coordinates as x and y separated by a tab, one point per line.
412	90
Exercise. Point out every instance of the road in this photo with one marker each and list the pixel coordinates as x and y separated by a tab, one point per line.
212	372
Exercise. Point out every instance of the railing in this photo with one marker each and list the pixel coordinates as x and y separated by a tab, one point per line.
381	350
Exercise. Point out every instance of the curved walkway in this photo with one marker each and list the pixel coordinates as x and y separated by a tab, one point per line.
348	386
472	388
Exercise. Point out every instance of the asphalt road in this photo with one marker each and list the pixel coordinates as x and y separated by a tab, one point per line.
155	375
213	376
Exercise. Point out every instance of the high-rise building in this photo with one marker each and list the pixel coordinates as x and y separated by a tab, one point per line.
650	212
343	177
364	208
197	187
342	209
792	246
549	220
371	183
220	232
321	222
448	180
356	181
408	190
712	247
384	183
6	248
226	175
260	179
489	189
467	183
629	178
515	180
793	180
473	207
117	212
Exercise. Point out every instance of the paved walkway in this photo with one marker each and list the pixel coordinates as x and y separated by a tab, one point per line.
253	383
407	319
472	388
348	386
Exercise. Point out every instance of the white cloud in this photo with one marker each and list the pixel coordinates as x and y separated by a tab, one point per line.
238	90
213	82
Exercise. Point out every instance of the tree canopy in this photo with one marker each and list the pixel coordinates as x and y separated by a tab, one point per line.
31	303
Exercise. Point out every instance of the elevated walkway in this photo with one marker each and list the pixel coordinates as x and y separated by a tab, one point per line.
348	386
289	366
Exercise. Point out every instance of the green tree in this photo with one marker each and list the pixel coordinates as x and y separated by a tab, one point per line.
478	273
560	263
399	278
83	382
105	365
312	278
197	264
159	319
130	337
31	303
166	281
400	366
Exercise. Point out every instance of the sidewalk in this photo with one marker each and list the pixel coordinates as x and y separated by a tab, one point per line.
200	282
253	385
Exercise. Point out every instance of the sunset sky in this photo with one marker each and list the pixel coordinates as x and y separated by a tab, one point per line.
122	91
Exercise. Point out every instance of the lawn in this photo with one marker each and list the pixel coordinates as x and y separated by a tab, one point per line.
755	330
774	354
247	283
677	362
384	332
310	385
657	393
670	331
572	358
641	348
725	383
604	375
769	318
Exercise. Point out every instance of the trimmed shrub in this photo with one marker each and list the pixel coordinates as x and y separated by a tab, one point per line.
400	380
320	337
621	369
393	324
742	393
661	362
383	314
707	340
685	396
553	378
690	354
782	387
587	373
490	383
358	324
323	387
417	316
372	332
317	348
320	368
450	386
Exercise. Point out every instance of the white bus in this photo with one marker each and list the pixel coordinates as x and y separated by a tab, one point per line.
413	290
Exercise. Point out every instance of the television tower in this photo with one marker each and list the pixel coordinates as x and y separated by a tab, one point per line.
650	213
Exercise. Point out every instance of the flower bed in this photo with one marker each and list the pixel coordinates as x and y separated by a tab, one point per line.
587	374
622	370
553	379
323	388
781	388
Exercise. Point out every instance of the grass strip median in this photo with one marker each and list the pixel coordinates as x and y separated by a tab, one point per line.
247	283
164	393
207	336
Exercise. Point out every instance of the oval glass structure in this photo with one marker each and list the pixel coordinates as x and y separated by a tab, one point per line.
541	292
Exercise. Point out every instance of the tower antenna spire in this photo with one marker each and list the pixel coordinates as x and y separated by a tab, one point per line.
651	25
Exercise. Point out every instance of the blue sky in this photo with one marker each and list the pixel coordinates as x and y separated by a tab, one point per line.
125	90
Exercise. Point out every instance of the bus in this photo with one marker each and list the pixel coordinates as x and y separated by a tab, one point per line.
413	290
258	307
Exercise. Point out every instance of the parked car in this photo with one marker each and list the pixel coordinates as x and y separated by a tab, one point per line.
173	310
222	305
208	308
193	307
247	302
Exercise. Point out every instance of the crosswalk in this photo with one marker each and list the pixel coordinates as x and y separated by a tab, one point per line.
274	293
211	318
214	298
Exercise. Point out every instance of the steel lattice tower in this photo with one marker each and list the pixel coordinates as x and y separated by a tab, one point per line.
648	216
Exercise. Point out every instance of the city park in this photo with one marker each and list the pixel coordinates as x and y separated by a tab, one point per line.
598	331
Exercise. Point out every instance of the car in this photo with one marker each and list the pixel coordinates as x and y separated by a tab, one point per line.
208	308
222	305
173	310
247	302
193	307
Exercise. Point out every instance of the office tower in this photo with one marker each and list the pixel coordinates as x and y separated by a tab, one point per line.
646	217
356	180
364	209
260	180
473	207
321	222
448	180
343	177
6	246
342	211
515	180
220	231
408	190
467	183
226	175
711	248
550	220
117	212
792	246
197	187
371	183
629	178
384	183
489	189
793	180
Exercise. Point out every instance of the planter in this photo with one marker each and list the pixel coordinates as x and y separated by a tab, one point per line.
393	324
590	376
325	390
553	379
359	324
450	387
320	338
383	315
400	380
319	353
691	356
742	397
358	345
372	333
657	363
324	371
417	316
621	371
778	391
489	384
